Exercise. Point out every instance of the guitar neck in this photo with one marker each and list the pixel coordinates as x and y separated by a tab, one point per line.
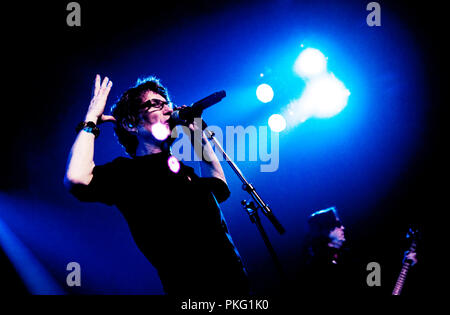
401	279
402	276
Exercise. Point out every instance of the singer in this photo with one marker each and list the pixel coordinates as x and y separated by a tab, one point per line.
173	214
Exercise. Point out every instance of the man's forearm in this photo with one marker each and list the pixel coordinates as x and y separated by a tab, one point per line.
81	160
210	165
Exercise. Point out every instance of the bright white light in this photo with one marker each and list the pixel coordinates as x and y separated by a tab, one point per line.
264	93
323	97
160	131
311	62
277	123
173	163
327	96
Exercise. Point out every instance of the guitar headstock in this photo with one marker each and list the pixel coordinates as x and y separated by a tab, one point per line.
413	234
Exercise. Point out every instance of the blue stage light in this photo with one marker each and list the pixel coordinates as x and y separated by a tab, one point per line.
324	96
277	123
264	93
311	62
34	275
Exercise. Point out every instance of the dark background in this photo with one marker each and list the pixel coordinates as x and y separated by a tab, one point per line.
49	69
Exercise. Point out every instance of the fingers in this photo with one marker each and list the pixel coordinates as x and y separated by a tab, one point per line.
105	118
97	84
102	88
105	88
105	82
98	101
108	87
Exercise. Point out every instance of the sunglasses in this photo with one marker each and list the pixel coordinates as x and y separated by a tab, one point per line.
155	103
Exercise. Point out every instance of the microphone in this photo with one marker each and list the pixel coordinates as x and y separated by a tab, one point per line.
196	109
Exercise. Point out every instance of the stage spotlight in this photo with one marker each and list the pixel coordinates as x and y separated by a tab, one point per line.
323	97
311	62
277	123
264	93
327	96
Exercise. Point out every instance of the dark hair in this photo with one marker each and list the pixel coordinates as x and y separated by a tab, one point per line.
126	110
320	224
323	221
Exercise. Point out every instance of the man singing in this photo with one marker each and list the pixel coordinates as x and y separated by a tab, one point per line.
172	213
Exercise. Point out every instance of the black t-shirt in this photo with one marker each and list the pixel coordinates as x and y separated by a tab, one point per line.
175	221
326	271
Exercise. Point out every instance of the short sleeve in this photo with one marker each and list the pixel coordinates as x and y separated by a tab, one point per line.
217	186
103	186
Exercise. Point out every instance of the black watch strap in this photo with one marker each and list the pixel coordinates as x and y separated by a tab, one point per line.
88	126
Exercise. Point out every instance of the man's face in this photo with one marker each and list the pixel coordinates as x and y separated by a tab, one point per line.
155	117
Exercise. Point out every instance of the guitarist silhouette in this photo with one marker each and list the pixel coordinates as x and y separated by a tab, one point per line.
409	260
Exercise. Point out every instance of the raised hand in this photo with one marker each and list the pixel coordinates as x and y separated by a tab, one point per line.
411	257
98	101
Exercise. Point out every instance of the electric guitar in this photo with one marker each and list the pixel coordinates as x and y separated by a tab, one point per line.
407	263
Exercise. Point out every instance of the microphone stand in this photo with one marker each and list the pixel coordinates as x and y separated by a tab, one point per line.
250	207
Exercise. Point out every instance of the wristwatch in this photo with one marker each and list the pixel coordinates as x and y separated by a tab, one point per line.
88	126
